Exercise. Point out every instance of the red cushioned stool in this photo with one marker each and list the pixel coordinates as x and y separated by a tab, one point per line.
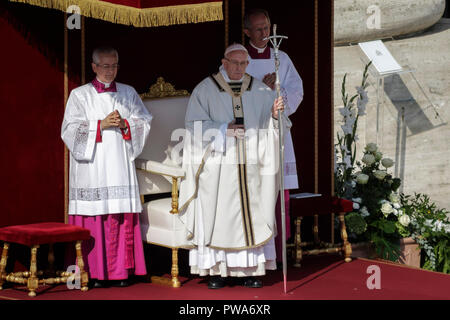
302	206
33	235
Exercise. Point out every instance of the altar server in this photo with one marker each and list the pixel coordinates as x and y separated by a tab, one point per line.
257	27
105	128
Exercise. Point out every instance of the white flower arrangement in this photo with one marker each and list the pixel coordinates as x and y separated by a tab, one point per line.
345	149
386	208
380	174
387	163
362	178
368	159
371	147
404	220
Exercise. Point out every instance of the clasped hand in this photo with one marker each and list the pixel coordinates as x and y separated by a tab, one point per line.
113	120
269	80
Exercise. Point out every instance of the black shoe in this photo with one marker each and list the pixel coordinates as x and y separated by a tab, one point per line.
94	283
120	283
216	282
251	282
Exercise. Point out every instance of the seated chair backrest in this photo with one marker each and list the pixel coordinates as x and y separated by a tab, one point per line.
168	116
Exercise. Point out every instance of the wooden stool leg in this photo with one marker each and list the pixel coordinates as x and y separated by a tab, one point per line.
33	281
51	259
346	247
298	242
3	262
175	282
332	228
316	229
80	263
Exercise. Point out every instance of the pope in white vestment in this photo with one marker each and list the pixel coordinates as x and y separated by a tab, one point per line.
262	67
228	196
105	128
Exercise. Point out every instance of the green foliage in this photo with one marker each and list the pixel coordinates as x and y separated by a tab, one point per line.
430	228
355	223
386	247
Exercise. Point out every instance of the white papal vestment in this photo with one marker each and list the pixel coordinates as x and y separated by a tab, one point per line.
228	207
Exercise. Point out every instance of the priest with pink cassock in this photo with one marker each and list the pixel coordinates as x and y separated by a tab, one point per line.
105	128
262	67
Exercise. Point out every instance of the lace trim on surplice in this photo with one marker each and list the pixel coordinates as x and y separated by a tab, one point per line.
104	193
81	139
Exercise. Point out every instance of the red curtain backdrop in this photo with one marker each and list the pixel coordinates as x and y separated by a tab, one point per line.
31	97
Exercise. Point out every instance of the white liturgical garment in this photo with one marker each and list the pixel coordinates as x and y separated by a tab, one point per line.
292	91
102	174
228	205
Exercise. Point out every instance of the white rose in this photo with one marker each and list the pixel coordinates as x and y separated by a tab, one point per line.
368	159
362	178
387	163
396	205
395	198
378	156
379	174
371	147
404	220
359	200
386	208
355	205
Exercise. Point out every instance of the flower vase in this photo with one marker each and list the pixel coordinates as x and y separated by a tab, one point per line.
410	252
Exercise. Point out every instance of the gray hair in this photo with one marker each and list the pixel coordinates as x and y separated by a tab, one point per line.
252	12
103	50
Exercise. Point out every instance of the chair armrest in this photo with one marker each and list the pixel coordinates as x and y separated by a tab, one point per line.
159	168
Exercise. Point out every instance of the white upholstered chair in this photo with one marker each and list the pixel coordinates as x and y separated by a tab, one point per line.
159	172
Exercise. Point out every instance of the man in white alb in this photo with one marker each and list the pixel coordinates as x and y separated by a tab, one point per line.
257	27
105	128
228	196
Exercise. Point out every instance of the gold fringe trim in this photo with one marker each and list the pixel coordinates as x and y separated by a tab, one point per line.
147	17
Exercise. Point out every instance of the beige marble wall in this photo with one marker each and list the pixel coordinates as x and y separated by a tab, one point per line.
414	125
364	20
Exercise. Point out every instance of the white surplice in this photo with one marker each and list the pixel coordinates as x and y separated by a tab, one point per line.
102	175
292	91
229	240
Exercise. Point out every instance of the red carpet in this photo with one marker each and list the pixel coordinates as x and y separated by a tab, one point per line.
324	277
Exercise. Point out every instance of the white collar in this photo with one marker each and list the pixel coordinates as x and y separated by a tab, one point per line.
225	75
107	84
260	50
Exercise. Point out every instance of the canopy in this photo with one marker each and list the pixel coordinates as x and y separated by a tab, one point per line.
140	13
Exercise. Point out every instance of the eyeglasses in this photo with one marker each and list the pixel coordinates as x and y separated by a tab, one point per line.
237	63
263	29
108	66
